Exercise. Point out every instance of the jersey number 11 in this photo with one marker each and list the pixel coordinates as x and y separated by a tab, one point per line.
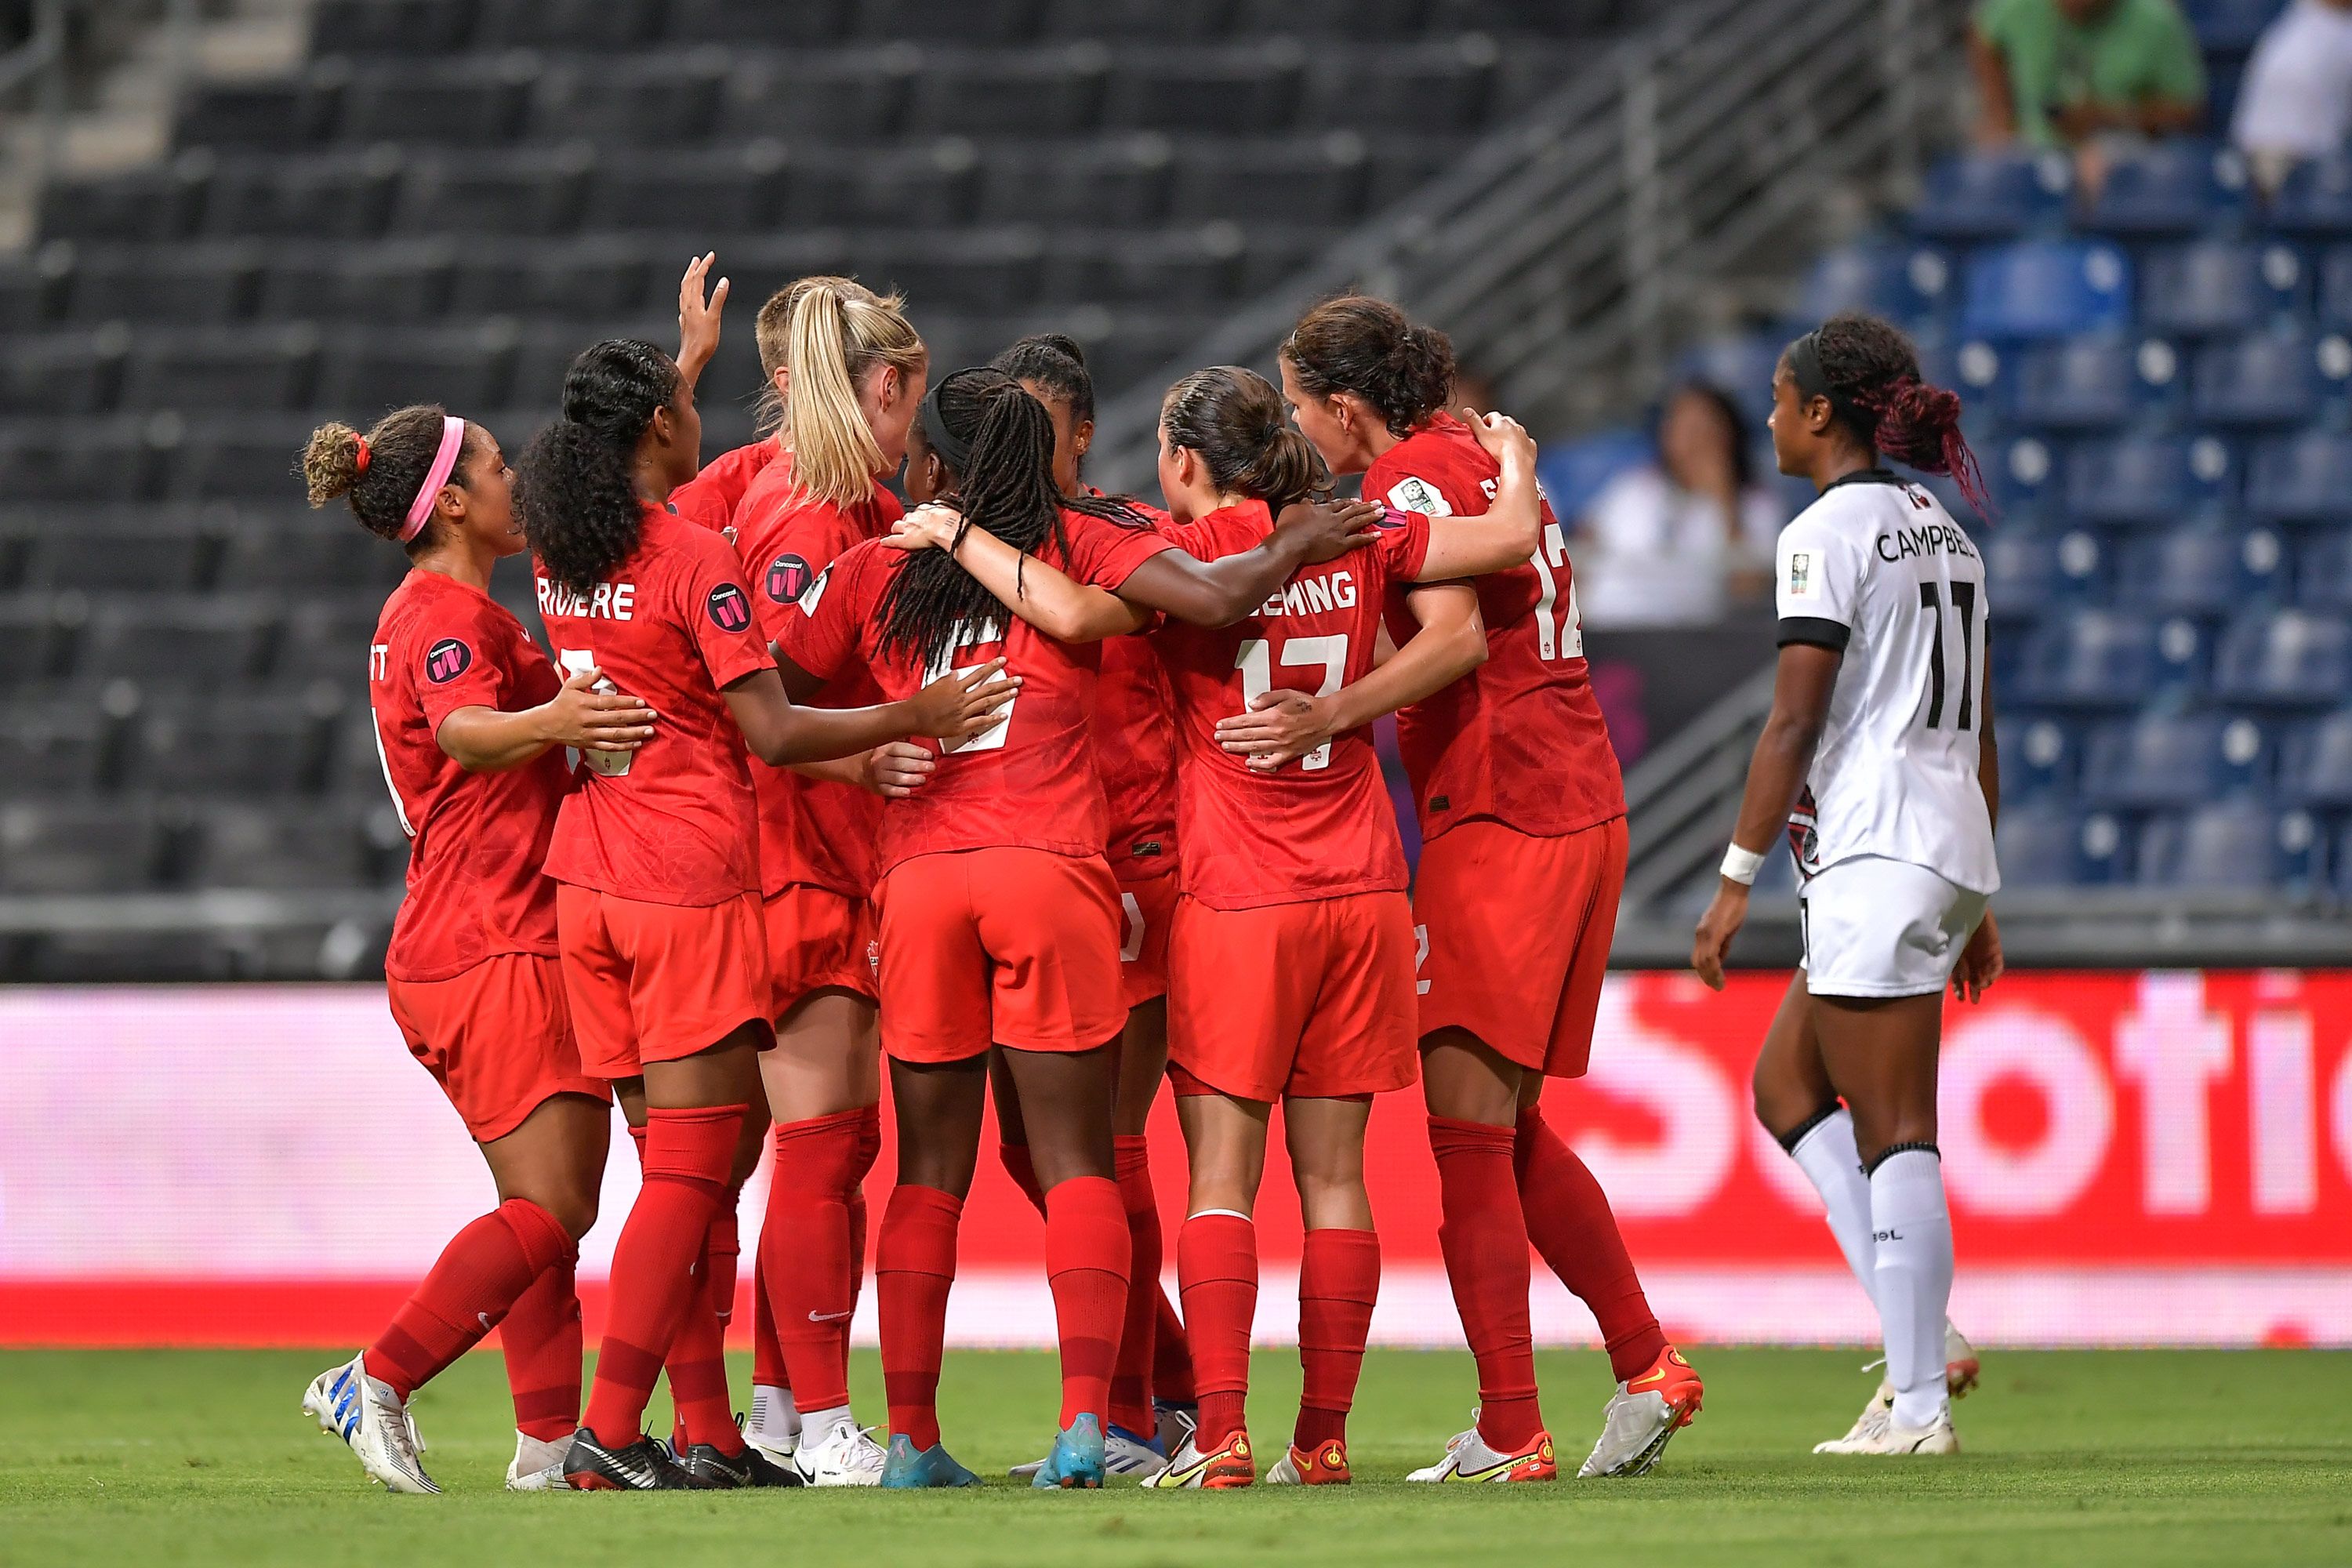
1964	601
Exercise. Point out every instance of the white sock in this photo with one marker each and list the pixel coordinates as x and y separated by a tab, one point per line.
1827	1155
774	1420
818	1422
1912	1231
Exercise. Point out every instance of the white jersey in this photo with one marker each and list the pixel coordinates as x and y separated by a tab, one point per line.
1877	568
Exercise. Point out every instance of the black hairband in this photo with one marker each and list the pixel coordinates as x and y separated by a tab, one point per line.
1805	370
955	454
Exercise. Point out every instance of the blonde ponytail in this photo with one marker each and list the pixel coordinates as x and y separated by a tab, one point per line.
830	334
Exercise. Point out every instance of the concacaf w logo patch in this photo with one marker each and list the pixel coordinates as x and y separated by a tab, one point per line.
788	579
448	660
728	610
1409	494
1801	575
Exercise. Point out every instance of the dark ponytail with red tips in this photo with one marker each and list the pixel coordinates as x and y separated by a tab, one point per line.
1870	373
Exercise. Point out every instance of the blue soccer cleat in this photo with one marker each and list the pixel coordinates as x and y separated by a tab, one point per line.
907	1468
1076	1460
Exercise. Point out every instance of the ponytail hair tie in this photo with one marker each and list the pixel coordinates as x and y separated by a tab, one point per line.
361	451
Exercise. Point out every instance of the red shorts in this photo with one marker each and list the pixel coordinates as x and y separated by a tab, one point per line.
498	1039
1145	907
818	939
1008	947
1515	933
652	983
1311	999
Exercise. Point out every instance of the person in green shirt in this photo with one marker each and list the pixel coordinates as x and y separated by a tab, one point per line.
2081	73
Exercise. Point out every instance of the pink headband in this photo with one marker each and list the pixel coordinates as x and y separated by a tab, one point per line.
444	463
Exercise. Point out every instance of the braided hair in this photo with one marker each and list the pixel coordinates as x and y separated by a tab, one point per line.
1234	418
995	443
573	488
1870	373
1356	343
1055	362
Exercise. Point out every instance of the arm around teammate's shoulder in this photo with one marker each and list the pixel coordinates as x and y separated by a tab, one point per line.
1510	532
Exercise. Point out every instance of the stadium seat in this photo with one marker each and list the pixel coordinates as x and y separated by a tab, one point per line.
288	112
2094	659
1195	268
311	553
2168	188
1450	84
63	373
662	101
2274	378
915	186
132	548
394	26
2157	763
241	746
579	280
33	288
727	190
1116	182
2323	575
68	846
2231	846
183	285
208	644
2316	764
402	281
338	195
1323	182
80	460
326	641
534	192
2046	289
2027	572
1980	197
2041	755
951	21
38	633
265	367
2200	571
1247	89
2141	481
768	23
2218	288
2090	383
983	271
822	97
2304	478
1907	284
232	457
1032	92
1156	21
280	844
2335	301
1362	18
467	101
605	26
154	204
62	749
363	373
2315	201
2286	658
2049	844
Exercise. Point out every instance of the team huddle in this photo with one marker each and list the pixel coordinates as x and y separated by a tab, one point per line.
1055	797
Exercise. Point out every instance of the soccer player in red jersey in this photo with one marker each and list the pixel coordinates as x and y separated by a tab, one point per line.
1290	964
471	720
657	911
1521	808
845	372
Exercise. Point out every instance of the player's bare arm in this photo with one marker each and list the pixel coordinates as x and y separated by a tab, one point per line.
1284	725
1800	705
1219	593
1047	598
1981	962
955	707
493	741
1508	534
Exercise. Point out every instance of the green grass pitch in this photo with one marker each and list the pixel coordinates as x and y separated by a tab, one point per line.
136	1459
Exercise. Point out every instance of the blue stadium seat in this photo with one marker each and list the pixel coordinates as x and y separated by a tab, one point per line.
2200	570
2274	378
2027	572
2049	844
2176	187
2157	762
2316	764
2229	27
2143	480
2335	292
2218	287
1907	284
2046	289
2041	755
2230	845
2091	659
1979	196
2304	478
2090	383
2315	201
2286	658
2323	574
1572	472
1741	368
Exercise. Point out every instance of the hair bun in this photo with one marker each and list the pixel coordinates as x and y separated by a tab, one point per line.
333	461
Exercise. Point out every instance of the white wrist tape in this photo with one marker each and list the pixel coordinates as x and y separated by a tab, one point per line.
1740	866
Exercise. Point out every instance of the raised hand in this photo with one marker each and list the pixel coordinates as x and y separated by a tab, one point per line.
698	318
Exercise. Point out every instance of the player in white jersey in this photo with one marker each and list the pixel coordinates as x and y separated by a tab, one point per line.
1879	758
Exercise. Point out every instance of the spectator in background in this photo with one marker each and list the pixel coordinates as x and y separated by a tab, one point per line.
2296	99
1680	541
2086	75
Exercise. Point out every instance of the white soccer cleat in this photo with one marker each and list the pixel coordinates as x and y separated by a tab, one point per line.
1470	1461
1643	1415
843	1454
367	1415
537	1466
1437	1472
1877	1433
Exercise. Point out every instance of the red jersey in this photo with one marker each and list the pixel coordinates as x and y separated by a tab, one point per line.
711	497
1319	827
671	625
1135	747
1520	739
477	840
811	831
1030	781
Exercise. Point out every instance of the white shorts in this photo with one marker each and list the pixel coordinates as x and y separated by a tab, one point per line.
1876	926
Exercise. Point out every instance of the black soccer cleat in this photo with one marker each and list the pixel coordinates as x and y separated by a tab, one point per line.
707	1467
644	1465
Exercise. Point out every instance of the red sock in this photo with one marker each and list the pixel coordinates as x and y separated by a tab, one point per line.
1483	1237
1015	1157
1130	1381
1568	1220
1086	1263
540	1338
1172	1357
687	1154
912	1276
805	1244
767	1355
1339	1281
472	1284
697	1364
1216	1269
869	1144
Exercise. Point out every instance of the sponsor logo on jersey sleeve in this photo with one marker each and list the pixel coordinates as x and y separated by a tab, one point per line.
1801	575
1409	494
448	660
788	578
728	610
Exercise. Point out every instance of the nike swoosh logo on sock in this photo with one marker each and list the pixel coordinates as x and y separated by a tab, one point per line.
829	1316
